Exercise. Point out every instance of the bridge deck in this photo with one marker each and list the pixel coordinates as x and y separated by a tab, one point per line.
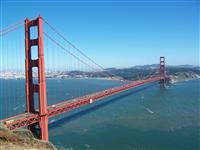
26	119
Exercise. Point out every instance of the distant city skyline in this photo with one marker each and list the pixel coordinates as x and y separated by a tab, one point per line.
115	33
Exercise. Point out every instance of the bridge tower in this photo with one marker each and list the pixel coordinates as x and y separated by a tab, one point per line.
162	71
38	88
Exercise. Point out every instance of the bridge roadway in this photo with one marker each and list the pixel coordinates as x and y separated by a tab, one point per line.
25	119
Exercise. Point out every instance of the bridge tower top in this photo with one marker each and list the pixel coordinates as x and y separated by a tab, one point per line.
162	71
162	67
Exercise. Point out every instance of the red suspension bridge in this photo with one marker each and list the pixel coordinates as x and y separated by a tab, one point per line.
38	118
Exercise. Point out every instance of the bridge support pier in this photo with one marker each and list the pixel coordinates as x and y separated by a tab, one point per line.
39	87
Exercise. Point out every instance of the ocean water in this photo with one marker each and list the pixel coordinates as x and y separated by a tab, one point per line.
145	117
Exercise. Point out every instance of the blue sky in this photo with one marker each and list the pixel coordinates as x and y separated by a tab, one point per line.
120	33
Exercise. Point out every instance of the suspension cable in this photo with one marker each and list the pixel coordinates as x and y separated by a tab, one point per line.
11	30
66	50
77	49
12	26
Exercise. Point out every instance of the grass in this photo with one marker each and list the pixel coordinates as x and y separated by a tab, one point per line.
21	140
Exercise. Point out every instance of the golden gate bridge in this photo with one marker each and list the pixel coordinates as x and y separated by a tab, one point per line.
37	118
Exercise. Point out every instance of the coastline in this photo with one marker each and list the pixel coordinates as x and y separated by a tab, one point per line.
177	80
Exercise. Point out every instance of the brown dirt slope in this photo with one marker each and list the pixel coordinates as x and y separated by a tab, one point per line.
21	139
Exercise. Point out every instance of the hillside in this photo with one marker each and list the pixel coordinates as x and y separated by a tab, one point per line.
177	73
21	140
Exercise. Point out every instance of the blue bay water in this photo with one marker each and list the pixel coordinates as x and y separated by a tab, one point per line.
145	117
